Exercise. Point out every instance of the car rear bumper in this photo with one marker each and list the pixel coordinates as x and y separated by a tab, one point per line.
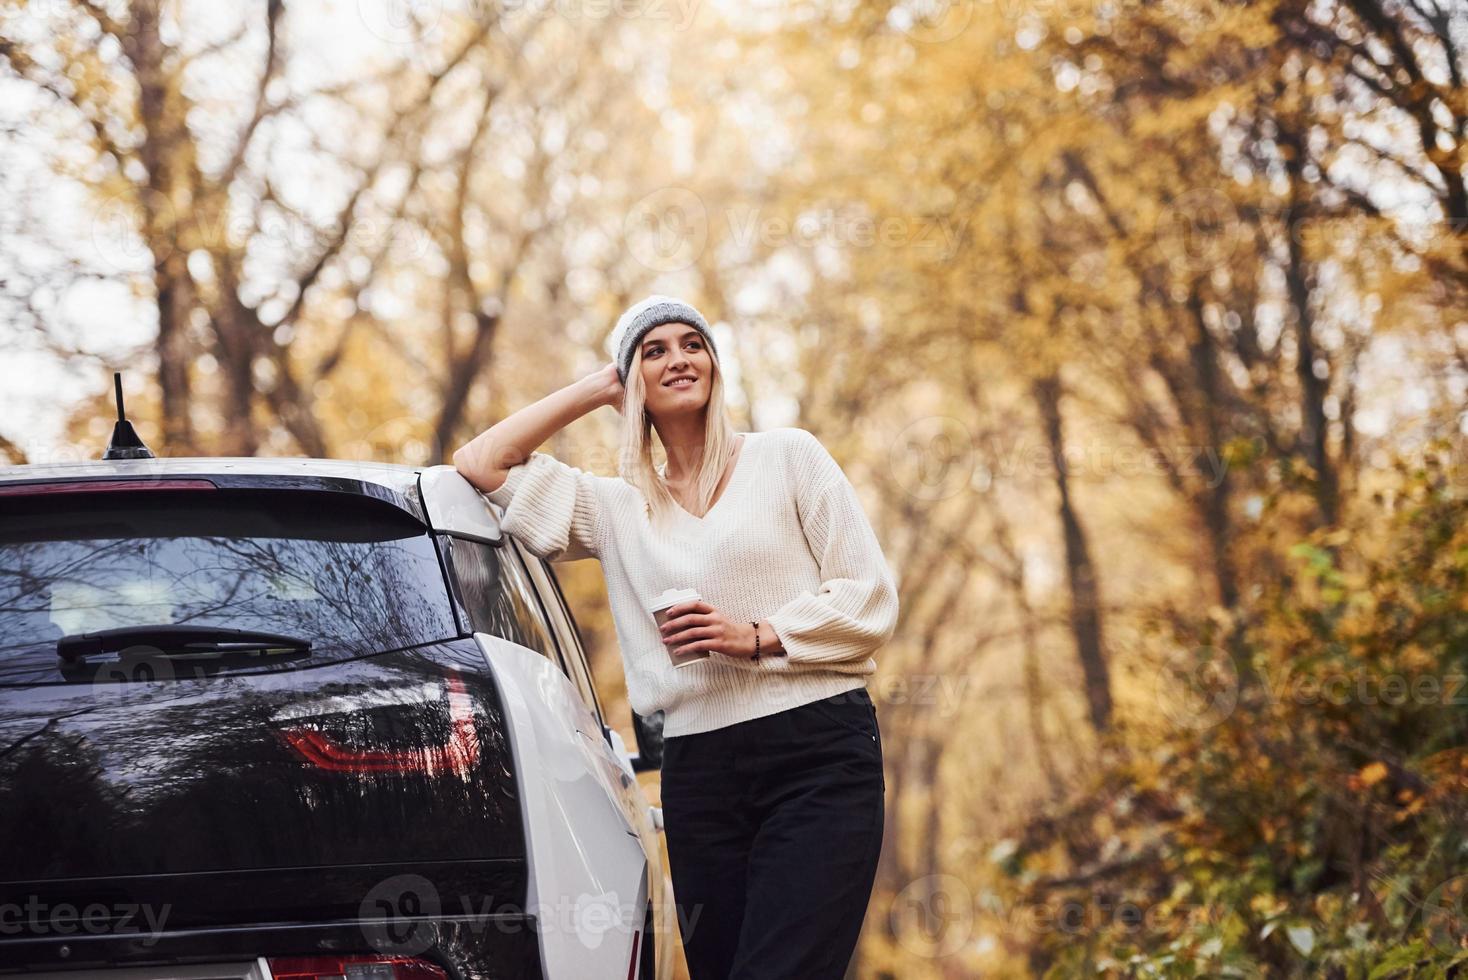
467	946
257	970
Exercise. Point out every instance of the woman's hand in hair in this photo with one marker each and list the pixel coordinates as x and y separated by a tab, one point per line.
695	626
606	385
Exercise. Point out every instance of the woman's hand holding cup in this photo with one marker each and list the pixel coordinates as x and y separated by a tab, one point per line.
695	627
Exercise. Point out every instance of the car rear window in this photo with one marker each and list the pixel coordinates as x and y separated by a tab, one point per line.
354	575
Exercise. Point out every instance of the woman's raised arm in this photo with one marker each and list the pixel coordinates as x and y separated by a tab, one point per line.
485	460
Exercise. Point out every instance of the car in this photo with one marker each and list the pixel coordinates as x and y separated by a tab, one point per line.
305	718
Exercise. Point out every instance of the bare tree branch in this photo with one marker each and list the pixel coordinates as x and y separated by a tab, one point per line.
14	452
273	10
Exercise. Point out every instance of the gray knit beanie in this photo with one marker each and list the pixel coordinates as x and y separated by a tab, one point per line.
642	316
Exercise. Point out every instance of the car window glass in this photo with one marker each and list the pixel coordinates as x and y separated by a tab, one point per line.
352	575
498	597
565	630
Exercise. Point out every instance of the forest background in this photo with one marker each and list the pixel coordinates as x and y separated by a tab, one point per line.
1142	329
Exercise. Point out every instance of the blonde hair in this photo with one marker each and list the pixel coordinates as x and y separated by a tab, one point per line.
636	460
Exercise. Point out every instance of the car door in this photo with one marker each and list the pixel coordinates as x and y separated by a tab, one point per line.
622	781
584	845
504	592
643	815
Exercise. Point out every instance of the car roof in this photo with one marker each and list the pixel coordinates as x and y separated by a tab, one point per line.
390	475
452	504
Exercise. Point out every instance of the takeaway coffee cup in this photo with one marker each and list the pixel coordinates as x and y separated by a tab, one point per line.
659	610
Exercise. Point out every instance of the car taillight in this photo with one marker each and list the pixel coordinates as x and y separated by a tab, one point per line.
354	967
101	486
434	749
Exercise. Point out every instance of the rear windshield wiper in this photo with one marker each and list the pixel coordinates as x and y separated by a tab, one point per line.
178	641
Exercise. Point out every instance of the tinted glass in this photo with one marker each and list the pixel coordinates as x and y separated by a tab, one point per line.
565	629
497	595
353	575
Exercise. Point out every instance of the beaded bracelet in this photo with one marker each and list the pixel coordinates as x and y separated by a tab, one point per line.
755	624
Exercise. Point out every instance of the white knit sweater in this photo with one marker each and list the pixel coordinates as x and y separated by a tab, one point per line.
786	542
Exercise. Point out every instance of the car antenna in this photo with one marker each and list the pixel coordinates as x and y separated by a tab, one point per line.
125	443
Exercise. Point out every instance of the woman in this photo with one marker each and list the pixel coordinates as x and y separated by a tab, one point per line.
772	781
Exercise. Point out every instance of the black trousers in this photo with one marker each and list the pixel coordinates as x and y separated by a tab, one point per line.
773	828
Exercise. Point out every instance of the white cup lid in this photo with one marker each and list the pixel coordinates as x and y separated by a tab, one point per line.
673	597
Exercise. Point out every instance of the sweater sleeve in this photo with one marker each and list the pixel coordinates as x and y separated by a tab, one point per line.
552	508
855	610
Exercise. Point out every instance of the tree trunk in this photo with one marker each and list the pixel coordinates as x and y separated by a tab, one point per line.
171	282
236	329
175	299
1209	457
1085	610
1314	428
1034	685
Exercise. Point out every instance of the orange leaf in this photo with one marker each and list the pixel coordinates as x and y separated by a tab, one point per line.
1373	773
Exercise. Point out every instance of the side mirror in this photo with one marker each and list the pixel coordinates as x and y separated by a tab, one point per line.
649	733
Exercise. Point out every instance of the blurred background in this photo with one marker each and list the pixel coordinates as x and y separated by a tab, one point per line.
1141	327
